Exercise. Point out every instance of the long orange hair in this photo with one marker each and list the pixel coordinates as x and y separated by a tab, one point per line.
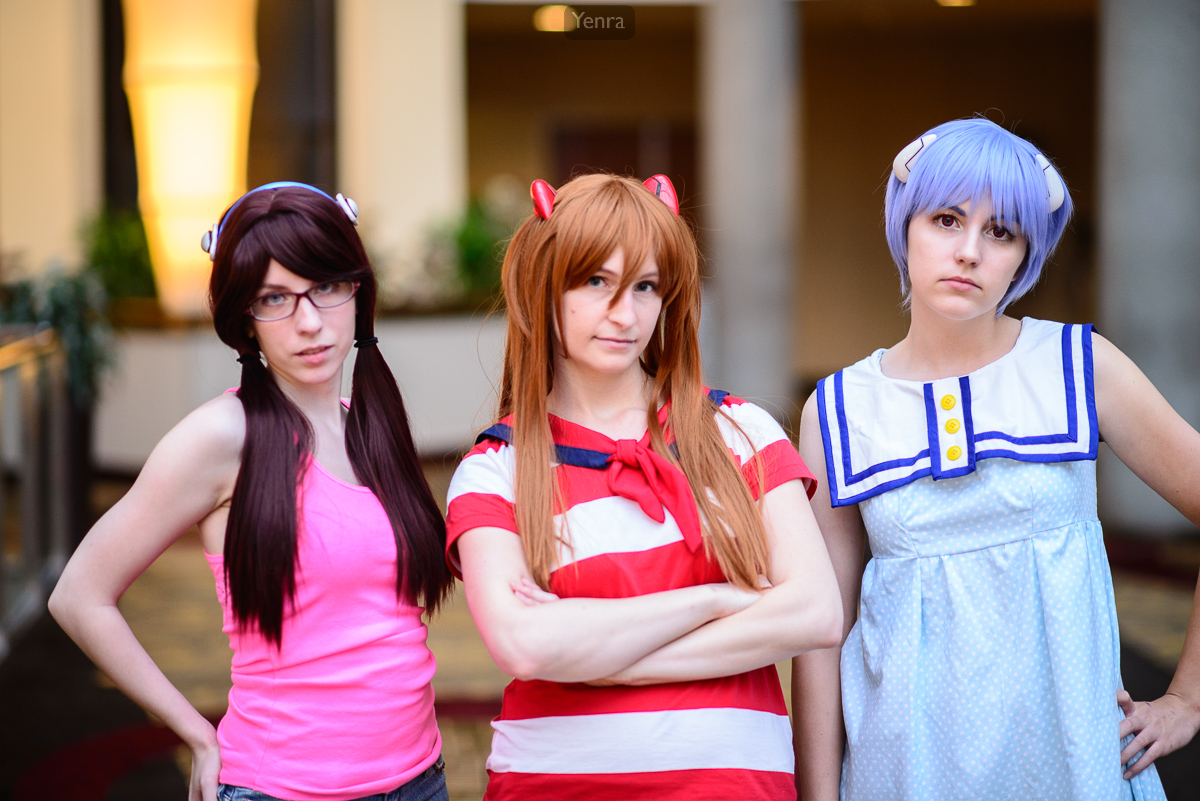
593	216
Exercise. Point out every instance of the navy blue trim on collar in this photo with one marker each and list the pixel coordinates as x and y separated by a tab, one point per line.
842	476
935	455
566	454
964	390
844	432
1072	433
580	457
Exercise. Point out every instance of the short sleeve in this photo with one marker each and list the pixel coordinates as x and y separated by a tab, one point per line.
480	495
762	447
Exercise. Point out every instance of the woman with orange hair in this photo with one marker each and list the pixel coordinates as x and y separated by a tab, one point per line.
637	552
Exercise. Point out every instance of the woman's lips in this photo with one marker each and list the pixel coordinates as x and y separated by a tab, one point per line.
961	283
314	355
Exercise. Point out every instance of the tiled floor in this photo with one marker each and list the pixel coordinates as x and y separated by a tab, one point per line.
173	610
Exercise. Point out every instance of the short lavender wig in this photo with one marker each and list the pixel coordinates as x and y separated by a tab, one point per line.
970	160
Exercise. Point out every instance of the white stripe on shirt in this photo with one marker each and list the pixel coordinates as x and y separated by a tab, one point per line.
644	742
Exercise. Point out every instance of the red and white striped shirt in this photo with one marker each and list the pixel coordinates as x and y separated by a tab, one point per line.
714	739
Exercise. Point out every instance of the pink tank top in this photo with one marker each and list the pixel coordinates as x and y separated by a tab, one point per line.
345	708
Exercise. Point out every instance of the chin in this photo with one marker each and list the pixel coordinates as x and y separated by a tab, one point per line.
961	309
609	367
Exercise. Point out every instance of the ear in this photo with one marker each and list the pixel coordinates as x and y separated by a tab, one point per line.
543	198
664	190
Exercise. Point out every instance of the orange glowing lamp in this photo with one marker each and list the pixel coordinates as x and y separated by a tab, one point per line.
190	72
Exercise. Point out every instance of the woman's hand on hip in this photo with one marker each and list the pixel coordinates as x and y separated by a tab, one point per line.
1160	726
206	771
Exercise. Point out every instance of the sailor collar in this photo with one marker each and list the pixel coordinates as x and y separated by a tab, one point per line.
1034	404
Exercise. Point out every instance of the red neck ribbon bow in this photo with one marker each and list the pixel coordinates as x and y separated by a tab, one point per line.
636	472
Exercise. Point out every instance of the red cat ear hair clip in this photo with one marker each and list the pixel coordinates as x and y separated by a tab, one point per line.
543	198
543	194
664	190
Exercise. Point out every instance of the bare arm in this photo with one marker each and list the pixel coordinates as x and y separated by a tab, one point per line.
189	474
818	730
800	612
573	639
1164	451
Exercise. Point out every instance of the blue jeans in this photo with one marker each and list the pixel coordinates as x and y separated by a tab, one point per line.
427	786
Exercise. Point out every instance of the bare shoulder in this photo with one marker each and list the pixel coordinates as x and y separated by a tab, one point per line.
1116	374
810	432
1108	360
219	423
207	444
1104	353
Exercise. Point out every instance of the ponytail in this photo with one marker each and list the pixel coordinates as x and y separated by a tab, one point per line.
380	445
260	537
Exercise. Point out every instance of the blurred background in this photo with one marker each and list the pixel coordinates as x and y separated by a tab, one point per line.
127	127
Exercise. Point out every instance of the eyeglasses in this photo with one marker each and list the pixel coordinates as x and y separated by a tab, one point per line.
281	305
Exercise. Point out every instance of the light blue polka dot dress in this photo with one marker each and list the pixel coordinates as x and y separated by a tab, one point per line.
985	660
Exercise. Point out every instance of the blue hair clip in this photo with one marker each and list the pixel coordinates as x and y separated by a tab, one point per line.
208	242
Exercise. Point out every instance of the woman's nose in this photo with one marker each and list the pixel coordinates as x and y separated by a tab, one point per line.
622	310
968	248
308	316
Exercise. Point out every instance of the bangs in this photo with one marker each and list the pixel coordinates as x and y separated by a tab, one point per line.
617	215
296	242
990	168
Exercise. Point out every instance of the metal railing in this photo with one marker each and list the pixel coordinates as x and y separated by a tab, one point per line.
34	521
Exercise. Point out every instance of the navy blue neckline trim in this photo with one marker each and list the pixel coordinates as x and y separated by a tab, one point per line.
580	457
973	453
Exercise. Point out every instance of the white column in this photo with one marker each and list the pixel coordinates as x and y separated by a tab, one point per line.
1148	238
402	146
50	128
749	72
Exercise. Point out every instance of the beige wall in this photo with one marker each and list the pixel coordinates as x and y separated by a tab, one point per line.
50	128
401	130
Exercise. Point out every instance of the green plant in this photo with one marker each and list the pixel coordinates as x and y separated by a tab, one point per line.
74	306
116	253
477	240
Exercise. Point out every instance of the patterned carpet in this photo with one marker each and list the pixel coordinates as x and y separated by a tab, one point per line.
66	733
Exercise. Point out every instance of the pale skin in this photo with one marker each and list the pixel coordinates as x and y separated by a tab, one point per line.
961	262
188	480
690	633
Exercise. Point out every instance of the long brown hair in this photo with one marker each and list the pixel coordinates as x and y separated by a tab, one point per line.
311	236
593	216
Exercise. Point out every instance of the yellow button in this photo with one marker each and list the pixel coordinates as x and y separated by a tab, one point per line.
947	402
954	453
952	425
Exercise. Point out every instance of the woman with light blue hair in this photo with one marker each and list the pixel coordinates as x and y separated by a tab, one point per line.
981	657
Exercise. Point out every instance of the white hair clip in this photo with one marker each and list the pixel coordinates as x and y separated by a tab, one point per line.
902	164
208	242
349	206
1056	193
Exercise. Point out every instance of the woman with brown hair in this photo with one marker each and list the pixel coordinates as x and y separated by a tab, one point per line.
320	530
637	551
